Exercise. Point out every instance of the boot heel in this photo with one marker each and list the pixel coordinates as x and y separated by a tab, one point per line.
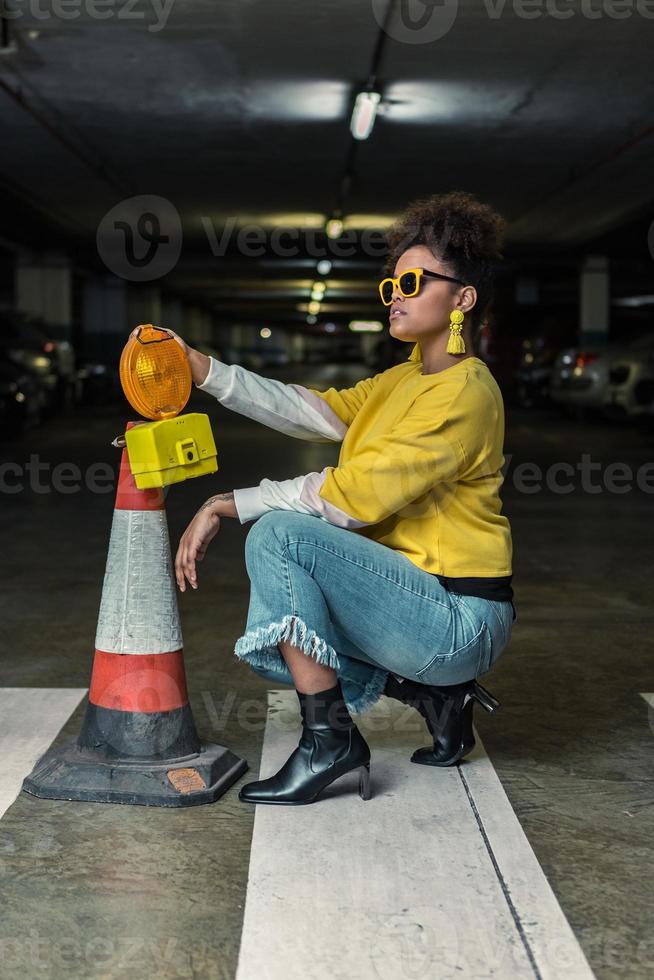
364	782
484	697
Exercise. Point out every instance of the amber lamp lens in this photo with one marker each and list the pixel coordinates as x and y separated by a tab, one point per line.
155	373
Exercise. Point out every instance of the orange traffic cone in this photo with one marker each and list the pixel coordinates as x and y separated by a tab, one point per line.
138	742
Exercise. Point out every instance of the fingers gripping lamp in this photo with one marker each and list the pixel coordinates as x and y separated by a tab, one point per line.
138	742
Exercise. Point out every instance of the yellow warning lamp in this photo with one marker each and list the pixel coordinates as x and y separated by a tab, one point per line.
156	378
155	373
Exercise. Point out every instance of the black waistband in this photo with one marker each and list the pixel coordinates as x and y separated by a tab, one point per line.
498	588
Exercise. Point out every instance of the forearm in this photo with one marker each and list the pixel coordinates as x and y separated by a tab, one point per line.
289	408
222	504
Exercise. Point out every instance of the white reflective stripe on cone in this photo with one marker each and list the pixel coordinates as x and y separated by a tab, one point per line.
138	612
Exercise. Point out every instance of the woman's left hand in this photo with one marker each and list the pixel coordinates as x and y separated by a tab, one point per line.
194	543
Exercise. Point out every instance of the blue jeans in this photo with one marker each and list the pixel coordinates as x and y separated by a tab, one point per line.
359	607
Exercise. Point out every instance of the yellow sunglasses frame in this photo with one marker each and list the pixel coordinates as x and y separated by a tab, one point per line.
419	273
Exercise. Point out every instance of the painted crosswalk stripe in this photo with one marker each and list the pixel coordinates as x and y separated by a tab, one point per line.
30	719
649	697
432	877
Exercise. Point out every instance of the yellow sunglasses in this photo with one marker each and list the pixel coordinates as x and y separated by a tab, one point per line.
408	283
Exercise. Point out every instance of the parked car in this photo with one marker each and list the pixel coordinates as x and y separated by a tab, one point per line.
97	384
532	378
52	361
616	381
22	399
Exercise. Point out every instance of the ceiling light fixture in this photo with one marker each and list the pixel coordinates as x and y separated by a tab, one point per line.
364	113
366	326
334	227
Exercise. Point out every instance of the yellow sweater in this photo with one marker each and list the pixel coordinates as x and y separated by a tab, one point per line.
419	468
421	463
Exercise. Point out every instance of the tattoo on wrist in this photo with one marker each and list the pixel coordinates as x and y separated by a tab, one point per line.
219	496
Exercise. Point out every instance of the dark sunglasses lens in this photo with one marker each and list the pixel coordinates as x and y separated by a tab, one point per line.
387	291
408	282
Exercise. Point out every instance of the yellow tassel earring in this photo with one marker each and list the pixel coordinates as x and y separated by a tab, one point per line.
456	343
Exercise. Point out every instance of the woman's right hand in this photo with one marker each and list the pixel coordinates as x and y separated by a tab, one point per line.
194	543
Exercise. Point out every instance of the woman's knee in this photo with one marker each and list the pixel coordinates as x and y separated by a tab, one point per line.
273	529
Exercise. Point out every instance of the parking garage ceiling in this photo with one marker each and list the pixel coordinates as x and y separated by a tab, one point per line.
237	112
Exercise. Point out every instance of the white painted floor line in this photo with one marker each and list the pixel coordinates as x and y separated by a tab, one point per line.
432	878
649	698
30	719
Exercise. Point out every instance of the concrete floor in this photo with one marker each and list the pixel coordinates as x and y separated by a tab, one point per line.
103	891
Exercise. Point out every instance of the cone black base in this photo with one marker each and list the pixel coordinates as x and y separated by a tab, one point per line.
69	772
151	736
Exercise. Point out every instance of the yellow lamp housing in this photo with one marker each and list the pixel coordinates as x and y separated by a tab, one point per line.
171	450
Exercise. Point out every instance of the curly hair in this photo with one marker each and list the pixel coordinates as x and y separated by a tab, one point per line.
461	232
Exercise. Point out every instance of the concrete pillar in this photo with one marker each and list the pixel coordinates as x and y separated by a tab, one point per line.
43	288
172	315
206	327
105	323
369	342
283	339
594	301
143	306
192	332
297	347
237	336
527	291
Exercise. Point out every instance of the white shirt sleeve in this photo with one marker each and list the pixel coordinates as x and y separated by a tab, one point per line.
302	494
289	408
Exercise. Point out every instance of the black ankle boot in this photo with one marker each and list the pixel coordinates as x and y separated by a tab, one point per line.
330	746
448	713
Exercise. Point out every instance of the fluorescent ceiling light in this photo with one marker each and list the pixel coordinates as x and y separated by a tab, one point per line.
646	300
366	326
360	221
363	114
